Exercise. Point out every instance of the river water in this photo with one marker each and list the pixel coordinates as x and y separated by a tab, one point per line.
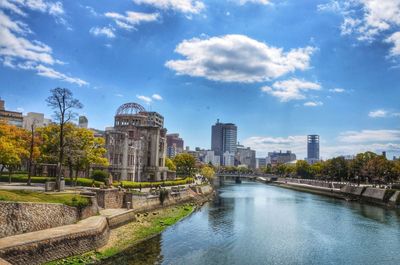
252	223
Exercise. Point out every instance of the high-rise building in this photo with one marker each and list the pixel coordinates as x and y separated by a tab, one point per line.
10	117
83	122
174	144
312	148
223	138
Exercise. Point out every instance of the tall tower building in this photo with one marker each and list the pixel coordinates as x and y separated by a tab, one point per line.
223	138
312	148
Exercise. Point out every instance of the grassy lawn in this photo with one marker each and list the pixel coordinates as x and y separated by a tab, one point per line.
31	196
130	234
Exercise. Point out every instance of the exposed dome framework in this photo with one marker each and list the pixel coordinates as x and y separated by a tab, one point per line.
130	109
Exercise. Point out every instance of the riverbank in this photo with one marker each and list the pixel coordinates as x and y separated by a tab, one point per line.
381	197
146	226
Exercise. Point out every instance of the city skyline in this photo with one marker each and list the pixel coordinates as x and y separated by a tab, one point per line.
287	82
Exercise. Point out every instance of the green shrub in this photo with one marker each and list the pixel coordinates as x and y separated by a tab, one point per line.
84	182
136	185
78	202
99	175
24	178
163	195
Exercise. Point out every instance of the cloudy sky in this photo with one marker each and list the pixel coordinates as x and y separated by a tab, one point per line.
279	69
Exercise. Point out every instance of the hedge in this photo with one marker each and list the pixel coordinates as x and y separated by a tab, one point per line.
137	185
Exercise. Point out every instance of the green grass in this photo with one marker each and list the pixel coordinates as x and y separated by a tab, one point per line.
130	234
74	200
137	185
23	178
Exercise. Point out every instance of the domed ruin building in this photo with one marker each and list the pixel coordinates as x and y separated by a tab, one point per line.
136	145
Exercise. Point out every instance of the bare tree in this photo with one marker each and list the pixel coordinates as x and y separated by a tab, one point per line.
63	103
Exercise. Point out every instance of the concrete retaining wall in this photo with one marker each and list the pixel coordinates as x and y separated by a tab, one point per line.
373	194
395	198
352	190
55	243
117	220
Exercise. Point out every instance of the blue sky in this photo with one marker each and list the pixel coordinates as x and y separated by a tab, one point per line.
278	69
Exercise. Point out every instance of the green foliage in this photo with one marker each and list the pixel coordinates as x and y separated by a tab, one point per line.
99	175
185	163
136	185
303	169
208	172
170	164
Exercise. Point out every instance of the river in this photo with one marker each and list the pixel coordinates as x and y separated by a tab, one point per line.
253	223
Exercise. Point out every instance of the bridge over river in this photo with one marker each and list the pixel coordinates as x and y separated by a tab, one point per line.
222	177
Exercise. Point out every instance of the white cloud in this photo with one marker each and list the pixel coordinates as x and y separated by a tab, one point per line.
131	18
337	90
262	2
313	103
237	58
380	113
17	6
368	20
395	40
18	52
119	95
292	89
367	136
157	97
265	144
183	6
147	100
104	31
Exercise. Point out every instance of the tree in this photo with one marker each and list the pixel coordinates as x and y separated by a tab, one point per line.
303	169
63	103
13	147
170	164
82	148
337	168
185	163
317	170
208	172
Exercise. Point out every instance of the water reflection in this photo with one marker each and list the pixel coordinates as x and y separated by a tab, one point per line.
254	223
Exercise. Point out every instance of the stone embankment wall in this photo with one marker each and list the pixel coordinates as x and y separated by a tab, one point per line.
55	243
379	196
23	217
109	198
89	234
